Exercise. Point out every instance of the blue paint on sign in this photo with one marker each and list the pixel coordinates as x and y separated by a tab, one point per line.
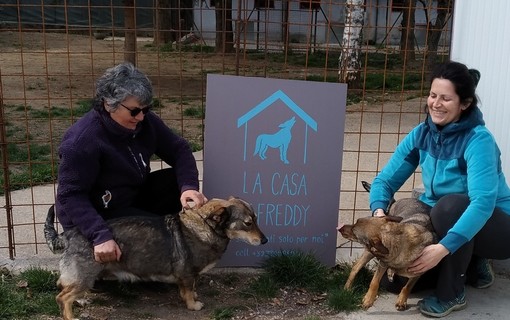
282	138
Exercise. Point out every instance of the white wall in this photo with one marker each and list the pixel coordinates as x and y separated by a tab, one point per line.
388	32
270	20
481	39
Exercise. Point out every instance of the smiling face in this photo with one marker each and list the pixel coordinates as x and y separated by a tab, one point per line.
123	116
443	103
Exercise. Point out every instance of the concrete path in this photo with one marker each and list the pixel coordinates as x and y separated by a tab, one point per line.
482	304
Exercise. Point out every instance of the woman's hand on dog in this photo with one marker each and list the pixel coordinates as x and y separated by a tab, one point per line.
192	195
107	252
379	213
429	258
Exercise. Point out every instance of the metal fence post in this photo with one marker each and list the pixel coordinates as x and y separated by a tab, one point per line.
5	171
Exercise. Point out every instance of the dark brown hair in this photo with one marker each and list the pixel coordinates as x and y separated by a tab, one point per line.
463	79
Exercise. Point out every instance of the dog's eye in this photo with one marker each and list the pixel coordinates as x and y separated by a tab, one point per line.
248	223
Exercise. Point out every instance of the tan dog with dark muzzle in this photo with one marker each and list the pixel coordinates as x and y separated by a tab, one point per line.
395	240
173	249
395	245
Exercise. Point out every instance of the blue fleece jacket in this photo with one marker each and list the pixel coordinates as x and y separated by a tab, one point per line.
103	164
461	157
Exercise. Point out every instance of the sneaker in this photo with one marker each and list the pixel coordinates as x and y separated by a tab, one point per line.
484	274
433	307
423	301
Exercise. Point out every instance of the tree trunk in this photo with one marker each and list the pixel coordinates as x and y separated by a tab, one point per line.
174	20
435	30
162	33
130	31
407	37
285	26
224	32
349	63
187	21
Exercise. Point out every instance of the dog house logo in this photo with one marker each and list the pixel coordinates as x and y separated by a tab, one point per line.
280	138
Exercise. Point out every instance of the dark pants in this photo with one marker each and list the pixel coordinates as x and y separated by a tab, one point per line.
159	196
490	242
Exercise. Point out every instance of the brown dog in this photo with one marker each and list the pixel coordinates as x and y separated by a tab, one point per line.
173	249
395	240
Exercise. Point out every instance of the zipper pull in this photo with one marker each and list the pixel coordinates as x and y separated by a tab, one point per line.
141	159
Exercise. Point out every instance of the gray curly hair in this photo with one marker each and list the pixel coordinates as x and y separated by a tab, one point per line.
121	82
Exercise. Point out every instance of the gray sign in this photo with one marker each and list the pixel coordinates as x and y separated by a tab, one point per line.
278	145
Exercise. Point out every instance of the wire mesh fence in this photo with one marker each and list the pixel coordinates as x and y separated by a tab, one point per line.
53	52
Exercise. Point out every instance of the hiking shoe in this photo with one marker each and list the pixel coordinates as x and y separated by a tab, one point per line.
422	301
433	307
484	274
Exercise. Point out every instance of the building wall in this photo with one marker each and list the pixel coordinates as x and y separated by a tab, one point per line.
382	24
325	25
268	23
480	40
75	13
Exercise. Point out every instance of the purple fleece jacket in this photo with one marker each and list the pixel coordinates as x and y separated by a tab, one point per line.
98	156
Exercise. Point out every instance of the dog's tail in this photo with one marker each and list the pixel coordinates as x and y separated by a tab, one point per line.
54	240
367	186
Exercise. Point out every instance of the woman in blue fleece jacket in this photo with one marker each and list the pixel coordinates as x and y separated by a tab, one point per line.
104	170
464	186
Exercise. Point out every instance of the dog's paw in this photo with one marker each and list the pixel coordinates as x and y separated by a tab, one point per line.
366	306
367	302
401	306
195	305
401	303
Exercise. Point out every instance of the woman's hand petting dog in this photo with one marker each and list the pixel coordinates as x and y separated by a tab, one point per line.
107	252
429	258
379	213
192	195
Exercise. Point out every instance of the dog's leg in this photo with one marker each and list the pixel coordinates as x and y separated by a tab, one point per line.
360	263
371	294
401	303
65	300
189	295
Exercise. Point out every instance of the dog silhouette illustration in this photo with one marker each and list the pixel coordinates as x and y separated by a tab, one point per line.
280	139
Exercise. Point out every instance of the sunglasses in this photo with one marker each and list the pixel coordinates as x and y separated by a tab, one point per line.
135	111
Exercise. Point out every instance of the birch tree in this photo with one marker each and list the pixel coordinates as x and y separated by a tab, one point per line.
349	62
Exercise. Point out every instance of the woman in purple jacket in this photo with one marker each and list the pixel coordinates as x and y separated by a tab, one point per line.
104	170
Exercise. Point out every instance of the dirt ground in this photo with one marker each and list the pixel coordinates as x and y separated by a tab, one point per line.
46	70
219	292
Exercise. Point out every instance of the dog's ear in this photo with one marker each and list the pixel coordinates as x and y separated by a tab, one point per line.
393	218
210	207
218	216
366	185
218	211
377	248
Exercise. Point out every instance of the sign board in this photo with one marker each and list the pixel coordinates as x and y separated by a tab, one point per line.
278	145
